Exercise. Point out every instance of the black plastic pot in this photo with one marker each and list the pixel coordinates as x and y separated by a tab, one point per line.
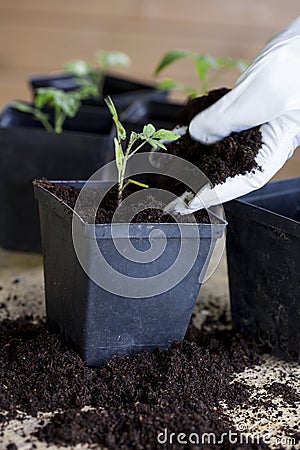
160	114
263	252
122	90
89	119
29	152
100	324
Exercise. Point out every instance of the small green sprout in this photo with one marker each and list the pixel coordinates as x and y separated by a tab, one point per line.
87	74
64	104
203	64
136	141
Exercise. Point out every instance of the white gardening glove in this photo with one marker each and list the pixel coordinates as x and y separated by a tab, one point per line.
267	93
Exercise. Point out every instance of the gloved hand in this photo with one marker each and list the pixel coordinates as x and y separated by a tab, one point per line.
267	93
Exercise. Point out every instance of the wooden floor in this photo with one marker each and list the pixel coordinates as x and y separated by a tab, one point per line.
40	36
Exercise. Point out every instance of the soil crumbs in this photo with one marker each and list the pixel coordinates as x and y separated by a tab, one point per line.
233	155
131	400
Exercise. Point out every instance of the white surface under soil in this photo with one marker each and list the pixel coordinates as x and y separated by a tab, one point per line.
22	293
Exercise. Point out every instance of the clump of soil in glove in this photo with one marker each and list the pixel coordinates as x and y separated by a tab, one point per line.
131	399
231	156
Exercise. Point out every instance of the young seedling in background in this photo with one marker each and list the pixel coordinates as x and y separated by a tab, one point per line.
149	135
87	74
203	64
64	104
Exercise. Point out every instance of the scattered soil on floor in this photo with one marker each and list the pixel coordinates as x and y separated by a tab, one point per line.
289	395
134	398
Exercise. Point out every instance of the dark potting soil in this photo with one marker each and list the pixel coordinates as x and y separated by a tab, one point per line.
231	156
69	194
132	398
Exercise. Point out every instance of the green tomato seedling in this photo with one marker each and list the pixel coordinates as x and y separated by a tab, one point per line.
149	135
87	74
203	64
64	104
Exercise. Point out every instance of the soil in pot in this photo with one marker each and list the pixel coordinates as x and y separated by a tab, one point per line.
69	195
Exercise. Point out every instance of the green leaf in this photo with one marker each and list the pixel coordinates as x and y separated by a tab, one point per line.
224	62
78	67
156	144
148	131
111	106
161	145
44	96
37	114
88	89
210	61
119	155
23	107
170	57
240	64
133	137
65	104
120	129
112	58
168	83
202	66
69	102
191	92
166	135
